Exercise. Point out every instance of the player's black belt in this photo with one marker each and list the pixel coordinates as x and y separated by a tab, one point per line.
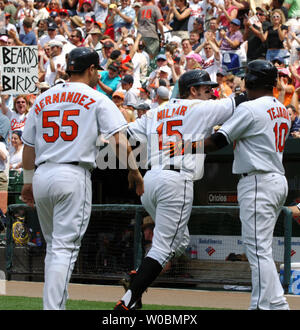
168	168
243	175
69	163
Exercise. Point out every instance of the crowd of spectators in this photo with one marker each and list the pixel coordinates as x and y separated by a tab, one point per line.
145	45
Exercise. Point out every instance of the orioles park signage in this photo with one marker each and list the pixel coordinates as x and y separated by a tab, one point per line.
19	69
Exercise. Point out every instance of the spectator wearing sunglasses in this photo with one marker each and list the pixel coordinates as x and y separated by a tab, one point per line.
254	29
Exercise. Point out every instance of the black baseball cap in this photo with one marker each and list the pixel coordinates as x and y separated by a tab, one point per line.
52	26
143	106
128	79
278	59
108	44
114	66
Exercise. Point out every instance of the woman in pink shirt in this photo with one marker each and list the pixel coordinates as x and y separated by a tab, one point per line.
227	13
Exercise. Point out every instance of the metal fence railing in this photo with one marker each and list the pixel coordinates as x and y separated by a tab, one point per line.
118	213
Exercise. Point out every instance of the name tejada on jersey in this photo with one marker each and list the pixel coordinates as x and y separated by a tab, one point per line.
278	112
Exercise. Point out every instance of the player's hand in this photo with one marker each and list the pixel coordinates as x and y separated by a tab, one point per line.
135	179
27	195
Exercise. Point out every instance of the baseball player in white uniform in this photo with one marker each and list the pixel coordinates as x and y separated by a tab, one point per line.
168	196
60	140
259	129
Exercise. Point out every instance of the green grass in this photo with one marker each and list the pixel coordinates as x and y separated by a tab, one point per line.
26	303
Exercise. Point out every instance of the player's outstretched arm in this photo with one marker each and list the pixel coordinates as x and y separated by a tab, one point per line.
295	210
28	172
124	153
215	142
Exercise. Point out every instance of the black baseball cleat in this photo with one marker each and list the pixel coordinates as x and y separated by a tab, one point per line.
126	283
120	306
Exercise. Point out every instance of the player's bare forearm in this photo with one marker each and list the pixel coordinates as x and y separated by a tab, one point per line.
28	170
28	158
295	210
215	142
209	145
124	153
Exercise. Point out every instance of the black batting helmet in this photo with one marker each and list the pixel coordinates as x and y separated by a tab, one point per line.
82	58
194	78
261	74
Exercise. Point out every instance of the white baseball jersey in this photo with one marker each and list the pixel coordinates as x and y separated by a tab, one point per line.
63	124
259	128
190	120
17	120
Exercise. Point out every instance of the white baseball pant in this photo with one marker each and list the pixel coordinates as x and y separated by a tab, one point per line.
63	196
168	198
261	197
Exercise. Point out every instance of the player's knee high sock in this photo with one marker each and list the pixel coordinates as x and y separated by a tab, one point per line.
146	274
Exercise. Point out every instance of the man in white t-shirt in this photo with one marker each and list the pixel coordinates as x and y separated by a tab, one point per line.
197	10
57	61
51	35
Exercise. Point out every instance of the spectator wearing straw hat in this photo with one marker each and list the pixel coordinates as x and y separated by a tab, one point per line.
93	39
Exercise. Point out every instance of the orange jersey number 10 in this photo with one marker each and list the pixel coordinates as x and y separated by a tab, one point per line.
280	135
169	131
49	122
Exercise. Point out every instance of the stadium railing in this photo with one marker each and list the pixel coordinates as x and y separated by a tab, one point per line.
139	213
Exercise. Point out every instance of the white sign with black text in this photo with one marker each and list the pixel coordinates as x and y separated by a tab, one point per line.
19	69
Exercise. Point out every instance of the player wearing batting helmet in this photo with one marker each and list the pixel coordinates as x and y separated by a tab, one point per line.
260	128
60	140
168	196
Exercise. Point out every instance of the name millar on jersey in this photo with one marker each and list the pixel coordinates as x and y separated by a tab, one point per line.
169	113
278	112
71	97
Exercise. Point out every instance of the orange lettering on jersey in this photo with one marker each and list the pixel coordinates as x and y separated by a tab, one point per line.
269	112
76	97
273	113
183	110
55	98
285	114
70	97
48	100
167	114
42	103
173	112
37	109
159	115
278	112
88	104
83	97
177	111
63	97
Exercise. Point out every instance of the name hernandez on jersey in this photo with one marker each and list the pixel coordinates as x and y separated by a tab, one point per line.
65	121
68	97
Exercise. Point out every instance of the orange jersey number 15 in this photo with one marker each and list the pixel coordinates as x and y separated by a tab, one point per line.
169	131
